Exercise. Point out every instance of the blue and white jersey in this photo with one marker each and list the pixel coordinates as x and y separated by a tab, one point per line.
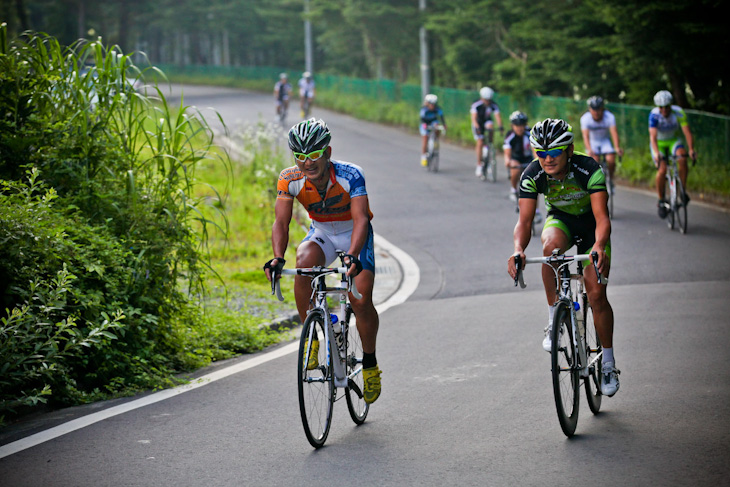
668	128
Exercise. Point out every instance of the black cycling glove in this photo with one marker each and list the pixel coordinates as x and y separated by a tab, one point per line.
353	260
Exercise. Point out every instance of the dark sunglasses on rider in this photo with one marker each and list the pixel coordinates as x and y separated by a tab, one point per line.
314	155
542	154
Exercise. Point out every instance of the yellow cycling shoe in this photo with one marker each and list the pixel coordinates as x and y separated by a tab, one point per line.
424	161
371	379
313	362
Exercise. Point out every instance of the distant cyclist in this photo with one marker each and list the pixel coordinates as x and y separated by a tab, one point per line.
334	195
306	91
598	126
575	194
665	122
431	114
282	90
482	112
518	152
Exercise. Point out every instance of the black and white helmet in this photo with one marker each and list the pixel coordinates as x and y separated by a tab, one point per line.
309	135
595	102
551	133
518	118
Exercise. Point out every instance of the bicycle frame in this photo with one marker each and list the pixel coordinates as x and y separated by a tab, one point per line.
563	277
319	299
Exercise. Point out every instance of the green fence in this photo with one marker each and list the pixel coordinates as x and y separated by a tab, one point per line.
711	132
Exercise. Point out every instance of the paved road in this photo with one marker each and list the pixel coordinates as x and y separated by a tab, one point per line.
467	398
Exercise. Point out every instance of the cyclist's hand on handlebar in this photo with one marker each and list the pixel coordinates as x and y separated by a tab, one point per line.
600	261
274	267
353	264
512	269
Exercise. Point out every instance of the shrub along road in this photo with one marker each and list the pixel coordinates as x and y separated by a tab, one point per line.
466	397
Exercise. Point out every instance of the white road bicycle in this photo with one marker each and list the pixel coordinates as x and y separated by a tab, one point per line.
335	362
576	353
675	197
432	147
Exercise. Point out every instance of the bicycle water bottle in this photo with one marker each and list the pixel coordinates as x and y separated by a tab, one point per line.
337	328
579	319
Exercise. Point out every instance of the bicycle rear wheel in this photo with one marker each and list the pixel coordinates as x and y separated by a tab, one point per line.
354	391
593	352
564	370
681	207
316	386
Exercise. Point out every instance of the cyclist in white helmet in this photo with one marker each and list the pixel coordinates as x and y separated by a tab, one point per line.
598	126
482	112
430	116
306	90
334	195
574	188
666	121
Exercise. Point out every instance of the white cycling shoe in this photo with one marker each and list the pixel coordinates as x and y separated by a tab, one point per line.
547	342
609	379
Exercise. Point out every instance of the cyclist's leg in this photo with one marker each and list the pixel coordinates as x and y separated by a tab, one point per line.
555	235
311	252
479	138
602	310
680	153
661	171
368	321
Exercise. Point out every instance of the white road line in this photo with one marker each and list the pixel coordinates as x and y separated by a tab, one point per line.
411	277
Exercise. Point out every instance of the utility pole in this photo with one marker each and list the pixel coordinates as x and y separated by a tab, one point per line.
425	70
307	39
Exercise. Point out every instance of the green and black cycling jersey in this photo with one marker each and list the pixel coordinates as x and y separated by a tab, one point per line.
571	195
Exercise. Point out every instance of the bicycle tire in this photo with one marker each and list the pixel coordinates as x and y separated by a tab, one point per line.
356	404
681	208
316	387
566	381
671	204
593	348
492	164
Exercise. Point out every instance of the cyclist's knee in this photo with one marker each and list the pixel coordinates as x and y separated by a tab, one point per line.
553	238
309	254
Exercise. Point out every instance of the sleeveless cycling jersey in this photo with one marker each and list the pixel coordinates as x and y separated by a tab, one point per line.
484	111
668	128
572	195
520	146
598	130
331	211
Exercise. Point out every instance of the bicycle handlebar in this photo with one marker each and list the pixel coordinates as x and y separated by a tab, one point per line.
313	272
556	259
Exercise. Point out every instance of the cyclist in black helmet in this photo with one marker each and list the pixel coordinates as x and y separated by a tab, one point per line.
518	152
600	136
334	195
576	200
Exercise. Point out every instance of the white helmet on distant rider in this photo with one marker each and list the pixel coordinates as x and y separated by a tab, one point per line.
431	98
486	93
663	98
307	75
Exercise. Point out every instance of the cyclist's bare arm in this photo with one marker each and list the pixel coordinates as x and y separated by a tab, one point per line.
599	207
474	122
614	137
586	141
280	231
523	232
653	133
360	221
690	141
498	119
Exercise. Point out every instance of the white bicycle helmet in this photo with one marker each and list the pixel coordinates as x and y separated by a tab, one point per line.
283	76
306	75
551	133
486	93
309	135
431	98
663	98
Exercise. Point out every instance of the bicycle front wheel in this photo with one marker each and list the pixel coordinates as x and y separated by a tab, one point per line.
316	384
564	370
670	194
594	352
681	208
492	165
354	391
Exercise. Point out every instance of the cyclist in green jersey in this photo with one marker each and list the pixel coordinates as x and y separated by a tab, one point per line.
576	201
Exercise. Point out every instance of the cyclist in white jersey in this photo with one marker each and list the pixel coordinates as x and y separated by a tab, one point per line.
598	127
306	90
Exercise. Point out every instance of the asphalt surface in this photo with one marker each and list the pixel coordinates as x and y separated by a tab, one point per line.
466	397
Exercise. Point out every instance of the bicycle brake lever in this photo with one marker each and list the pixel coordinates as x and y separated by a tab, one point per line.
594	259
353	289
277	289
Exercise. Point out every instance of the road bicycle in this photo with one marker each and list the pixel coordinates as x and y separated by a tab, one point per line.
282	113
576	353
306	106
432	147
609	182
676	206
330	353
489	160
